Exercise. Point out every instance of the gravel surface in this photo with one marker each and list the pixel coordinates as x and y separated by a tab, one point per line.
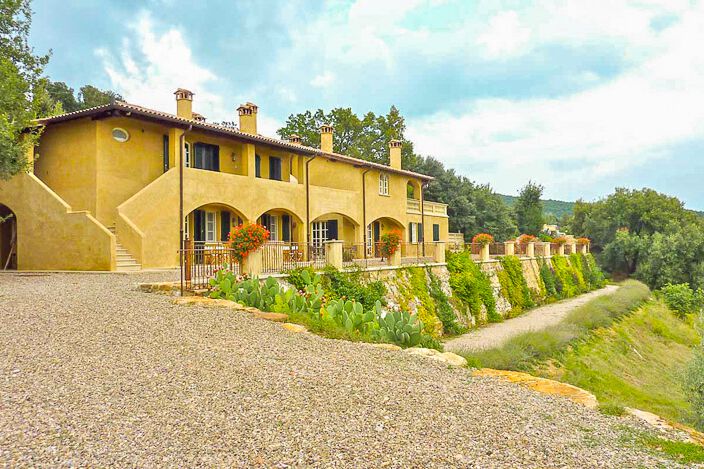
95	373
493	335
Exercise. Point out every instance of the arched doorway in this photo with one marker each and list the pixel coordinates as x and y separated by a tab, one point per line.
211	224
376	229
8	239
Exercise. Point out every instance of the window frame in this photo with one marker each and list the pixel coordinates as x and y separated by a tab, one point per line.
319	232
436	232
383	184
187	154
273	168
210	235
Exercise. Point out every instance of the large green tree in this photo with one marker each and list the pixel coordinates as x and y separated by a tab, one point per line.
528	209
472	208
88	96
22	88
645	234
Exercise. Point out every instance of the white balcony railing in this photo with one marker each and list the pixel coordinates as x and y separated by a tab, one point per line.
430	208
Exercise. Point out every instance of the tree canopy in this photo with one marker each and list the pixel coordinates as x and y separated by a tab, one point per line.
528	209
645	234
22	88
88	96
472	208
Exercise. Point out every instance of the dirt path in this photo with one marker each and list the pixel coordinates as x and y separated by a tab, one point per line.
494	335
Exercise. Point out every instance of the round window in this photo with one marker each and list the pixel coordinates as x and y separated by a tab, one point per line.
120	135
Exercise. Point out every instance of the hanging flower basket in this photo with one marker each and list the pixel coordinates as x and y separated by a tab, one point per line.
245	239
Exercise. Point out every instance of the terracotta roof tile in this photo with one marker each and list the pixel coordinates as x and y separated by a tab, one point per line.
226	131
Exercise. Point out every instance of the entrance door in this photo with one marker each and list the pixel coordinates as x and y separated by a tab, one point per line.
8	239
376	229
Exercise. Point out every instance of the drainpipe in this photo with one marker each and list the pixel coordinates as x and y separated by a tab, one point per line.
422	215
364	210
308	239
180	199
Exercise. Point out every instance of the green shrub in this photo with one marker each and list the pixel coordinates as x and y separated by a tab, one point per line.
471	286
349	286
351	315
513	284
298	279
612	409
443	308
548	277
401	328
681	299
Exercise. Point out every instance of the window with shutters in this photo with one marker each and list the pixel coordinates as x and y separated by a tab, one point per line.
436	232
187	154
206	156
274	168
257	166
209	227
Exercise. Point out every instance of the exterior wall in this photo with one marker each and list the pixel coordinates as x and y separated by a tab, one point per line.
50	235
123	184
124	168
67	162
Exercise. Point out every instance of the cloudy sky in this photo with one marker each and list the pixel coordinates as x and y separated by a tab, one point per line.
581	96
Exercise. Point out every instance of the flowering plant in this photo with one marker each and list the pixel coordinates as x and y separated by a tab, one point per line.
560	240
482	239
389	243
525	239
245	239
583	241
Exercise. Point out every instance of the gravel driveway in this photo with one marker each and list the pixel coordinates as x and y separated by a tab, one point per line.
493	335
95	373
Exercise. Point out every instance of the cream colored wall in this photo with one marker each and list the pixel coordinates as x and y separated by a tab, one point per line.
124	168
67	162
50	235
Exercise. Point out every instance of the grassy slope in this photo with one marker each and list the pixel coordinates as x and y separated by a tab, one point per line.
636	362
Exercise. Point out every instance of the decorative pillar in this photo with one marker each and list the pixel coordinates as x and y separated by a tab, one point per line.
395	258
439	254
252	264
573	247
333	253
530	249
509	248
561	250
484	253
583	248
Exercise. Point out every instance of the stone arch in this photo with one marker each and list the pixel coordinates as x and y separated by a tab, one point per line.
212	222
8	238
413	189
283	224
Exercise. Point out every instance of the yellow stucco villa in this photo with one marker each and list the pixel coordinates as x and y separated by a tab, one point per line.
104	191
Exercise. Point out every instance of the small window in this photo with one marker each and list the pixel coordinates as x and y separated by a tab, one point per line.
436	232
187	154
207	156
120	135
210	227
383	184
257	166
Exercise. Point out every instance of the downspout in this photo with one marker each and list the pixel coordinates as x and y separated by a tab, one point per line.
180	199
308	238
364	211
422	216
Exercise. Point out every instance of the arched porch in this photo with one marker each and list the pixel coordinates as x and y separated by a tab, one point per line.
8	238
210	224
376	229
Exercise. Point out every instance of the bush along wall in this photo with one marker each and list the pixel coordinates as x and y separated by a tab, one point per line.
514	286
472	288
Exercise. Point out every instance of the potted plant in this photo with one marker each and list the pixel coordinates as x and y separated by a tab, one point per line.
389	243
483	239
245	239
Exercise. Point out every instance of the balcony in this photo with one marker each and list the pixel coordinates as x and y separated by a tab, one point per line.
430	208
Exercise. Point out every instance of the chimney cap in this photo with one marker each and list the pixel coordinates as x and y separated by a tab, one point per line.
326	129
295	139
183	93
198	117
247	108
395	143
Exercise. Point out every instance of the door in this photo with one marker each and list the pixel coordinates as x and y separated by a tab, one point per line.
376	229
225	221
199	226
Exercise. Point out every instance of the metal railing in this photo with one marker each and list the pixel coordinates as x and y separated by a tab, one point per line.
497	249
201	260
281	256
417	252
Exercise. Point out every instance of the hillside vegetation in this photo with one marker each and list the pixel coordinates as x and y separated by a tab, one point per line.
638	362
559	208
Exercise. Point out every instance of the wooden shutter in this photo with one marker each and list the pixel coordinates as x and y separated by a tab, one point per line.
420	232
258	166
332	229
198	151
285	228
166	152
410	232
198	225
224	225
436	232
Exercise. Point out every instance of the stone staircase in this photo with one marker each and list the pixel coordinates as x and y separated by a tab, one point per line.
124	261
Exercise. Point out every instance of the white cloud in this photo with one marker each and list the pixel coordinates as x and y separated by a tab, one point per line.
151	66
571	142
505	36
323	80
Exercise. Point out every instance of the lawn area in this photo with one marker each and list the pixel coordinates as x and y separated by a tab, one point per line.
637	362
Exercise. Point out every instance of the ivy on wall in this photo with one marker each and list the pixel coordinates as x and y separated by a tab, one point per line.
414	287
443	308
471	286
513	284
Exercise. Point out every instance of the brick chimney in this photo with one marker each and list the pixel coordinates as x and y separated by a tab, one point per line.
326	138
294	139
395	154
248	118
184	103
